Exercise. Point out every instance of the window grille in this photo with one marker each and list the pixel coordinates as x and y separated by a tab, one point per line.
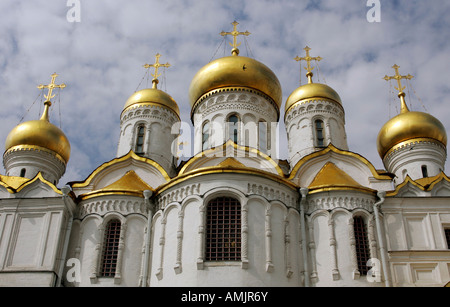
110	249
223	230
361	244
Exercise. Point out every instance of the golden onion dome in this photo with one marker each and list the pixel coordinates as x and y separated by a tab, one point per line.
408	127
39	134
235	72
312	91
411	127
152	96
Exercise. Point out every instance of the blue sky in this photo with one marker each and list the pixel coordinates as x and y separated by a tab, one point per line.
100	59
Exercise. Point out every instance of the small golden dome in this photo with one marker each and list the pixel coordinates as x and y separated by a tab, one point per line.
235	71
311	91
410	126
152	96
40	134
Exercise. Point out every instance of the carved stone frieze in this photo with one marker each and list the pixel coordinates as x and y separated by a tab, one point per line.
104	206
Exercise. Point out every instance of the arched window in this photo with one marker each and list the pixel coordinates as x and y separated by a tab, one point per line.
424	171
22	172
223	230
140	139
110	248
262	136
205	136
233	128
361	244
320	134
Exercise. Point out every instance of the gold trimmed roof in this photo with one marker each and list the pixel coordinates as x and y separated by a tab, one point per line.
231	162
129	155
331	148
330	177
128	184
220	150
16	184
425	184
13	182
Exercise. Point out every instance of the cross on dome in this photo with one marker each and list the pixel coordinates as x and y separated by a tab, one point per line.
156	66
400	88
308	60
235	33
49	95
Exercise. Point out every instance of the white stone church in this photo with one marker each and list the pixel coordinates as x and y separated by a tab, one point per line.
233	214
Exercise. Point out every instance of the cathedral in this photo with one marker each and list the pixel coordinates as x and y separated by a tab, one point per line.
233	214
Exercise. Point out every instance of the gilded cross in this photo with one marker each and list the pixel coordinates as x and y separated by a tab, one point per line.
235	33
51	86
157	65
308	60
400	88
49	95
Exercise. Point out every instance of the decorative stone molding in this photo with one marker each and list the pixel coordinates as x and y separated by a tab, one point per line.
314	106
122	206
148	111
347	201
248	102
271	194
178	195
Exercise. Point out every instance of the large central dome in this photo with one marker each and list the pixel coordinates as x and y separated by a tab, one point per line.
235	72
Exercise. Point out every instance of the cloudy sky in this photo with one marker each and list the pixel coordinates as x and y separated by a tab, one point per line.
100	59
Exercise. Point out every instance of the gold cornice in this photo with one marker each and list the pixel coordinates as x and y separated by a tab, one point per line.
37	148
222	148
129	155
334	149
343	188
234	89
129	184
100	193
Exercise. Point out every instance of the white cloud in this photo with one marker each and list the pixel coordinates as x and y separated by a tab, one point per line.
100	59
